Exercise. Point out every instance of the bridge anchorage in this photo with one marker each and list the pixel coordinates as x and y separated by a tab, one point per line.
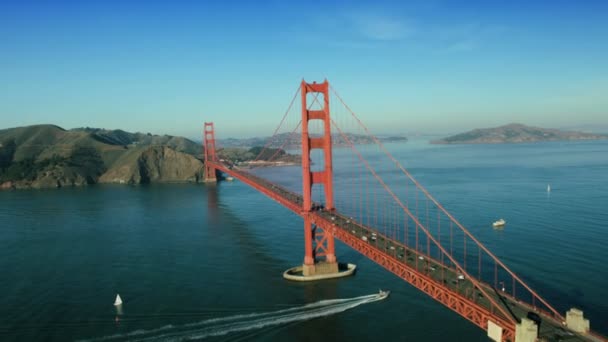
454	268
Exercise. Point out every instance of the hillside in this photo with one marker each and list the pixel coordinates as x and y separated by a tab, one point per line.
50	156
516	133
289	140
120	137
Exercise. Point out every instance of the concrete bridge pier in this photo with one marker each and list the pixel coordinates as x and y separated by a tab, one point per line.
313	269
576	321
526	331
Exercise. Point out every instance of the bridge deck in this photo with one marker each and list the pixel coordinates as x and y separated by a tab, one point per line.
444	276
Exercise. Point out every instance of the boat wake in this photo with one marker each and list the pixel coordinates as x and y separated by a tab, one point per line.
225	325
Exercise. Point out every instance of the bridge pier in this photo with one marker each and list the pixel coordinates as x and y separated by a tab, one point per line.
313	268
526	331
576	321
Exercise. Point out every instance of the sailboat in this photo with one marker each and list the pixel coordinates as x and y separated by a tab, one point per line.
118	300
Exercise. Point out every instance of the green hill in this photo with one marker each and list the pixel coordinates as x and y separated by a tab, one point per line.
122	138
50	156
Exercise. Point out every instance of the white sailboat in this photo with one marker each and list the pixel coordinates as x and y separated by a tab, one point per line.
118	300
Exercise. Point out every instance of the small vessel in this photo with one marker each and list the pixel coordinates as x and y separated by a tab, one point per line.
118	300
383	294
548	187
230	179
499	223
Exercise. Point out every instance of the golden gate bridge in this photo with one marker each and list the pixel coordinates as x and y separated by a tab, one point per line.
393	221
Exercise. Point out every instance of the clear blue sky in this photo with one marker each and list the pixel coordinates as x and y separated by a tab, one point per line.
432	66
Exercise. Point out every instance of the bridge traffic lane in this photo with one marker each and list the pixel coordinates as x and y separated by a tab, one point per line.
550	328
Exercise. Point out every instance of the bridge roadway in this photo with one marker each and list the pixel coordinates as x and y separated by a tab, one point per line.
442	282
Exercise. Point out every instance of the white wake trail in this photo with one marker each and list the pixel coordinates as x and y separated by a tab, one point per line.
225	325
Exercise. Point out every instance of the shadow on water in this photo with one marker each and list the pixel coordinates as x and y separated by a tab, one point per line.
221	217
266	269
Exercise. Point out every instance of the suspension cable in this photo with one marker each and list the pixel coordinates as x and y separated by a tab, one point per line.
280	124
452	218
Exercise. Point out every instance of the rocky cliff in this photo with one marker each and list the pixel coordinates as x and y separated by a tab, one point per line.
155	164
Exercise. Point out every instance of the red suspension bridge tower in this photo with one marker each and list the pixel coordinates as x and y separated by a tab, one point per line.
317	242
319	247
209	152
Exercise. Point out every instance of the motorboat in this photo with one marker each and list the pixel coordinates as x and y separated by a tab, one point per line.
383	294
499	223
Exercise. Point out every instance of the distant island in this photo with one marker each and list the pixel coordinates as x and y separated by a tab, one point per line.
48	156
289	140
258	156
516	133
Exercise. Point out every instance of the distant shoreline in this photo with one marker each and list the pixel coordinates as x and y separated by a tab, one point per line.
516	134
254	163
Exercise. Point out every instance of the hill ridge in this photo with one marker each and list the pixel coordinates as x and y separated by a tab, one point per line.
47	155
516	133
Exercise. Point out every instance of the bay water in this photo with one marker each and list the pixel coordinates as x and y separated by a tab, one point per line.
205	261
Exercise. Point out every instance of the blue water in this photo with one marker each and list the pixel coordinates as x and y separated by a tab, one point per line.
206	261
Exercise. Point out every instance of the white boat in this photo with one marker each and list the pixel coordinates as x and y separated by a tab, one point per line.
548	187
118	300
230	179
383	294
499	223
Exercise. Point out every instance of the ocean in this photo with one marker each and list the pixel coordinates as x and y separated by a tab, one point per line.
205	261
